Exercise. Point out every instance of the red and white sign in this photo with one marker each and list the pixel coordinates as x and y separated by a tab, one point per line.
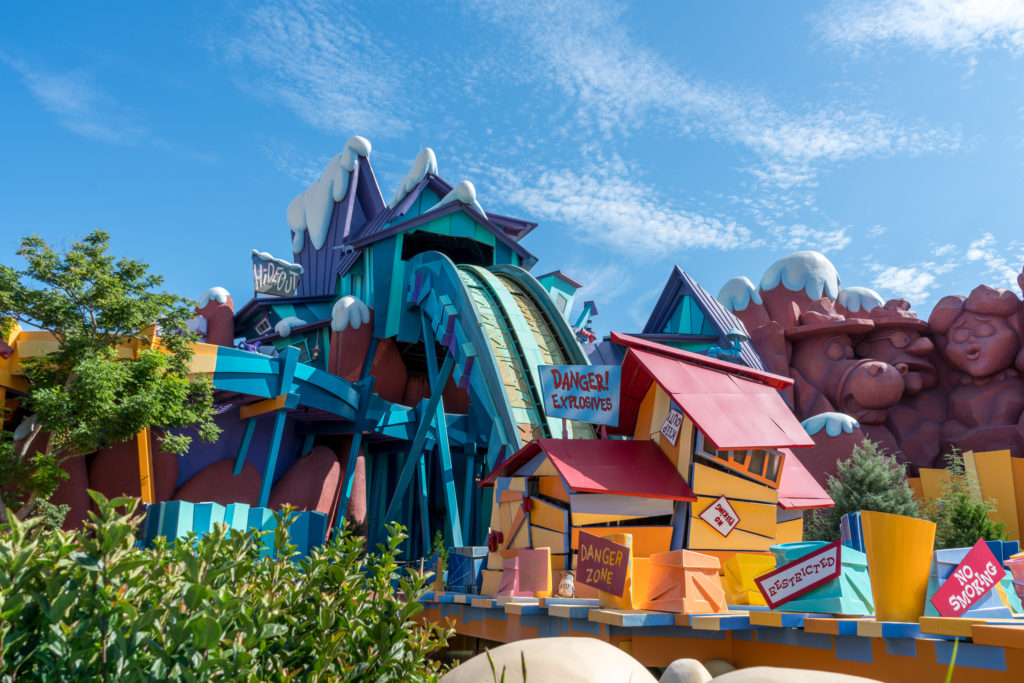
800	576
975	576
721	516
674	421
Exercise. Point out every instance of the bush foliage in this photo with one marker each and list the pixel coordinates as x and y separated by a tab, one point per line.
90	605
870	479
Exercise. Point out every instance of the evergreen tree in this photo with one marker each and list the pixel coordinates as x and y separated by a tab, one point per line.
870	479
961	516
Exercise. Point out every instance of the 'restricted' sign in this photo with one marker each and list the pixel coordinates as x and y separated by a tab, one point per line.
602	564
274	276
588	393
800	576
976	575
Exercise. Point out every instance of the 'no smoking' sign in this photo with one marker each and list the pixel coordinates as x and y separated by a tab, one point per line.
721	516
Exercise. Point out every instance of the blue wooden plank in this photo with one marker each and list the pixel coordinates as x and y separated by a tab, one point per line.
275	447
205	515
243	449
853	649
903	647
236	516
971	655
421	498
415	450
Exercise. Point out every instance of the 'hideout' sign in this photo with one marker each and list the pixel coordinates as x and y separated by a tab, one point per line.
588	393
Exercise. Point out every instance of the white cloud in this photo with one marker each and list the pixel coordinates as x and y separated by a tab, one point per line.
605	203
913	282
877	231
965	26
944	250
618	85
78	105
293	162
799	236
321	62
994	257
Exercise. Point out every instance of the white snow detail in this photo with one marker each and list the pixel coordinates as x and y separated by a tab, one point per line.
833	423
284	327
463	192
311	211
737	293
287	265
424	163
218	294
856	299
806	270
348	310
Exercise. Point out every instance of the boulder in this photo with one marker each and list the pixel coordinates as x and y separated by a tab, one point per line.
217	484
310	484
114	471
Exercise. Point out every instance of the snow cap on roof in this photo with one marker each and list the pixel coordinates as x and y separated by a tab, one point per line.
424	163
737	293
856	299
218	294
463	192
806	270
311	211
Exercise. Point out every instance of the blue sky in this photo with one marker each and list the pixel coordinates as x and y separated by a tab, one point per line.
715	136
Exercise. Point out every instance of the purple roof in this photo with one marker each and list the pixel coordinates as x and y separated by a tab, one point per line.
563	276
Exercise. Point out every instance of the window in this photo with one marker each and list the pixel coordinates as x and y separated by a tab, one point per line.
561	302
263	326
759	464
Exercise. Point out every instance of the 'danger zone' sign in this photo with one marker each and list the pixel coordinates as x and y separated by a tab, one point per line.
602	564
588	393
975	576
800	576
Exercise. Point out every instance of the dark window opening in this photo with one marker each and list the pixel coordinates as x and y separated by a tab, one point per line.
415	356
461	250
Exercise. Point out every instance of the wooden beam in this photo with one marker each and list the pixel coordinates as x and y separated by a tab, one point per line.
275	448
265	406
146	484
243	448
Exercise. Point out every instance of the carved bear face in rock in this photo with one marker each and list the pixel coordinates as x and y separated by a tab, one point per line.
898	339
976	335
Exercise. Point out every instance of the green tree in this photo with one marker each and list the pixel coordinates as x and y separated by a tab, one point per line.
960	514
869	479
121	364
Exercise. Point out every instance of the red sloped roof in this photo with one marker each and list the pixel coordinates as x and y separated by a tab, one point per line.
625	468
798	490
732	405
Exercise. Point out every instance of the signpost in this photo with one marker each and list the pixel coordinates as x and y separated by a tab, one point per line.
975	576
588	393
602	564
721	516
274	276
670	430
801	576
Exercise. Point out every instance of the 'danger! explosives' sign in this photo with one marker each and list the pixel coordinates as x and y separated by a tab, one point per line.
588	393
602	564
975	576
800	576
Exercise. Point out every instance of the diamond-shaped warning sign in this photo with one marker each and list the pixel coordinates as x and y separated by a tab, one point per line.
721	516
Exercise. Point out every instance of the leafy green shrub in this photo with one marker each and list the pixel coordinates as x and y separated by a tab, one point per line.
869	479
90	605
961	516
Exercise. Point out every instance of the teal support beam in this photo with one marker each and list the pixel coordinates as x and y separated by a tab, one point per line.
365	391
451	503
275	448
425	419
307	444
421	497
243	449
467	495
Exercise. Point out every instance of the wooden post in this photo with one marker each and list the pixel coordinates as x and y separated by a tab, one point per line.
146	484
243	448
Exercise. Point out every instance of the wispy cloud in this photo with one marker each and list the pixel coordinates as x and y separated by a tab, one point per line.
294	162
79	105
321	62
985	251
606	203
964	26
877	231
618	85
799	236
913	282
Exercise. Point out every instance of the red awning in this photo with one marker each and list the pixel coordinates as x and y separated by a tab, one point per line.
625	468
798	490
733	409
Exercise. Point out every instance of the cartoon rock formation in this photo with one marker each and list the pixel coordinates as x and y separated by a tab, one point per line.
918	387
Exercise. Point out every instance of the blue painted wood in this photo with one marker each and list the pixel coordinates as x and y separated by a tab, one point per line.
415	450
176	519
243	449
236	516
469	501
275	447
206	515
970	655
422	494
307	444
